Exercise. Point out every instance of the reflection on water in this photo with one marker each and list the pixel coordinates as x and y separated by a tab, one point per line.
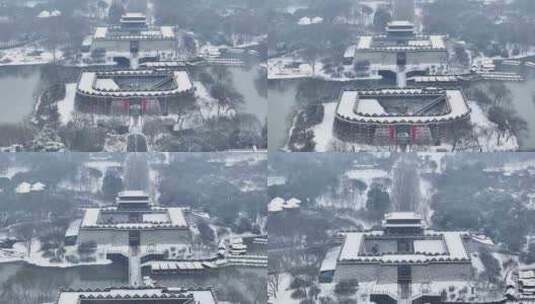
524	103
244	81
18	87
26	284
282	101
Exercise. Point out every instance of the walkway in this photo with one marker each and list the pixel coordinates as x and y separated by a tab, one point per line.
136	140
401	78
134	268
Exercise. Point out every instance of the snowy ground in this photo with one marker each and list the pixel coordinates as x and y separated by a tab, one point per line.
27	55
355	199
208	105
207	109
19	253
283	68
284	293
485	132
66	106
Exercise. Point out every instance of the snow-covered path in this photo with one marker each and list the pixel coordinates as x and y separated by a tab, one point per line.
66	105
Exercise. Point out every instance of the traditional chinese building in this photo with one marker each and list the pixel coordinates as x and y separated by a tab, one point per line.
401	48
134	221
148	91
134	37
402	260
400	116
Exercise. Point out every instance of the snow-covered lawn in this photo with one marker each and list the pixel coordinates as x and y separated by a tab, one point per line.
27	55
284	292
323	133
66	106
487	132
290	68
208	105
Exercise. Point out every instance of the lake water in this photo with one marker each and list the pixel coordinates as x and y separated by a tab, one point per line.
18	87
524	103
244	81
281	96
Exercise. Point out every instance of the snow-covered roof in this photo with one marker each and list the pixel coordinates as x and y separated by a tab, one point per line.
350	51
133	15
292	203
351	247
26	187
434	78
183	81
177	265
364	42
23	187
402	215
106	84
38	187
155	218
177	217
101	32
278	204
310	20
349	102
47	14
74	228
370	107
380	43
132	193
167	31
437	42
102	84
199	296
90	217
397	23
329	262
148	32
432	247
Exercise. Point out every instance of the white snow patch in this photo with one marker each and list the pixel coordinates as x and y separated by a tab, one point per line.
66	105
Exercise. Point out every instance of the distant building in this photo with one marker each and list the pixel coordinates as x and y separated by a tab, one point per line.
403	260
134	37
400	116
400	49
133	221
148	295
521	284
278	205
